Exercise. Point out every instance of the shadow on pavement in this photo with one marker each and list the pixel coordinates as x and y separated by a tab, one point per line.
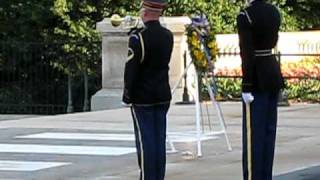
312	173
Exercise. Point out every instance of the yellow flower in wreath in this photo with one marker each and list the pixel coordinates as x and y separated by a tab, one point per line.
211	44
197	54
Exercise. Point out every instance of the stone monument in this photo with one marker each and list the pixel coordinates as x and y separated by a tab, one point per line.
114	56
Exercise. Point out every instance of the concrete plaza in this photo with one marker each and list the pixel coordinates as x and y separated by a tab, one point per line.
99	145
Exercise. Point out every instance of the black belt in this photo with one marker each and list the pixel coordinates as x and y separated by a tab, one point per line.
263	52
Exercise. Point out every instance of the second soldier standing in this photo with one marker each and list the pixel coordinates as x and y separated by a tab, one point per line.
146	87
258	27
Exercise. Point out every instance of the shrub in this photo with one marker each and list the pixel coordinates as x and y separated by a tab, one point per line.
302	81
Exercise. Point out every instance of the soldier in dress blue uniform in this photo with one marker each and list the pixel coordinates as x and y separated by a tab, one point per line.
258	27
146	87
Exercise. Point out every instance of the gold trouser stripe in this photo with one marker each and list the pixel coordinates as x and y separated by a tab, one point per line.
142	48
249	153
140	141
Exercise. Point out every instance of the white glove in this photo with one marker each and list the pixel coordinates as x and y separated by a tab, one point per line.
125	104
247	97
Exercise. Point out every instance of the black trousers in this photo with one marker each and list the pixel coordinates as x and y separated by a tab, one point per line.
259	136
150	132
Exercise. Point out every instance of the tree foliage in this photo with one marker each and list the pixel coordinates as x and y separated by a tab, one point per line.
26	20
222	13
306	12
48	20
76	19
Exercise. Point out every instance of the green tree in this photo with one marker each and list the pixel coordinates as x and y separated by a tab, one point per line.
26	20
77	21
306	13
221	14
48	20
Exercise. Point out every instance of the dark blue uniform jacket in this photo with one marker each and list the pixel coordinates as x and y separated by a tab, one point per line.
146	79
258	27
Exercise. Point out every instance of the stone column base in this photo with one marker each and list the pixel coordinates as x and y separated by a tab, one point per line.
106	99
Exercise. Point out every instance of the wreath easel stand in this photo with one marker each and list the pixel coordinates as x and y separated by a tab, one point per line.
209	83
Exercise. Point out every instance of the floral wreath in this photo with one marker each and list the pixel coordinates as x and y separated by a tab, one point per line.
198	56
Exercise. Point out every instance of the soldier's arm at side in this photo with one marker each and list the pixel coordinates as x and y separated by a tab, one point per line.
131	67
246	51
278	23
